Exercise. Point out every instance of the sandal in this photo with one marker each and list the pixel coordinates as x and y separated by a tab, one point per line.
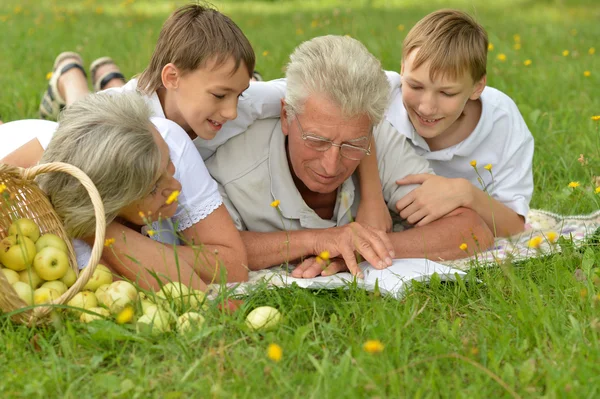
100	83
52	102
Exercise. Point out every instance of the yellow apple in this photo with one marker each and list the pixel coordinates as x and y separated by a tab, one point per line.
102	275
189	321
88	317
100	292
263	318
30	277
118	295
69	278
153	325
24	292
145	304
155	311
51	240
11	275
51	263
17	252
44	295
57	285
173	290
83	300
25	227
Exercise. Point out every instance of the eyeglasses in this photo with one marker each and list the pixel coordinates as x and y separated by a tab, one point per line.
355	149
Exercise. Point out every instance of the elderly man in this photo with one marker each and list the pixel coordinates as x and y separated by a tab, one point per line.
290	185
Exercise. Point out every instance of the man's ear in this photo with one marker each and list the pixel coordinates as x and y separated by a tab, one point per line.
170	75
478	89
284	118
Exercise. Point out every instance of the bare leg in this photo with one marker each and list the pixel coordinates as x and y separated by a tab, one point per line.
107	68
72	85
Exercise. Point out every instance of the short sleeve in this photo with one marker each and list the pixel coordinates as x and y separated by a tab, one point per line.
233	212
199	195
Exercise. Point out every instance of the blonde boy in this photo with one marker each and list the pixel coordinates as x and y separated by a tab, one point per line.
473	136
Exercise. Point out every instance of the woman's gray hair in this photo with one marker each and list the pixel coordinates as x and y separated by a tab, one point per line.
342	69
111	139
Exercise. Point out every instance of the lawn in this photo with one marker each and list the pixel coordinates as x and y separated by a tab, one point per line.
525	330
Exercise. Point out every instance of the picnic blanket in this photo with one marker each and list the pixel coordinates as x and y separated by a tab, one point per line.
540	238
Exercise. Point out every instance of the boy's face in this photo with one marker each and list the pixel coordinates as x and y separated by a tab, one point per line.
434	107
204	99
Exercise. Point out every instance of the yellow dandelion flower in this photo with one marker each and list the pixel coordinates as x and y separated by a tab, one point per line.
49	75
400	27
565	53
517	38
18	9
488	166
473	163
151	233
596	118
299	31
125	316
490	47
275	203
527	62
314	23
574	184
517	46
274	352
2	188
583	293
141	214
373	346
265	53
109	242
597	190
3	18
501	57
99	10
551	236
463	246
324	255
534	242
173	197
591	51
587	74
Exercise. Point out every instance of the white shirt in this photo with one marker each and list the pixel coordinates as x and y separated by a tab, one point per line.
501	138
18	133
261	100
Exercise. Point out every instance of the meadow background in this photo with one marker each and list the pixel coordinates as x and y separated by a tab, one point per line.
528	330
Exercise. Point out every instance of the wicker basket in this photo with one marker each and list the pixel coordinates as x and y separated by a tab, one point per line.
27	200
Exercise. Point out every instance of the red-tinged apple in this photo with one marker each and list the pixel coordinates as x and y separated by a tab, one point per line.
30	277
25	227
102	275
17	252
11	275
51	240
83	300
44	295
57	285
189	321
102	314
69	278
51	263
24	292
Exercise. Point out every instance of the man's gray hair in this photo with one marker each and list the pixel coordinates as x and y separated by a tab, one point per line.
342	69
111	139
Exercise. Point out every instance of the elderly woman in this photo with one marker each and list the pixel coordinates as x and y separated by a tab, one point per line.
138	165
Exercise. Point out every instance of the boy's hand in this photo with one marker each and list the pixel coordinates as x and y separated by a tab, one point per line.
313	267
374	213
436	197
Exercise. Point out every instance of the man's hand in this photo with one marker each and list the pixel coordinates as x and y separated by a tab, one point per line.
375	214
372	244
315	266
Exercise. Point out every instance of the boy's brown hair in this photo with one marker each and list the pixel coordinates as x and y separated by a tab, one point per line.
191	36
452	42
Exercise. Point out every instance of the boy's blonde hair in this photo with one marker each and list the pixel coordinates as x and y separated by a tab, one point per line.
111	139
192	36
452	42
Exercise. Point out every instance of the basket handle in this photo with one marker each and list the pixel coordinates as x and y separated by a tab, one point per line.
98	246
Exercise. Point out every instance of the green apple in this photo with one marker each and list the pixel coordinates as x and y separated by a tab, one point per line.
24	292
44	295
156	311
100	292
57	285
145	304
51	240
25	227
152	325
51	263
189	321
263	318
118	295
30	277
11	275
69	278
88	317
173	290
83	300
101	276
17	252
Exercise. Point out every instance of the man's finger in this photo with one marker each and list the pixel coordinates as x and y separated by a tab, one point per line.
299	270
350	259
414	179
387	242
334	267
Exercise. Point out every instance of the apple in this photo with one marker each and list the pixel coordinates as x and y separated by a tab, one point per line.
83	300
44	295
69	278
30	277
17	252
155	311
189	321
24	292
25	227
145	304
198	300
57	285
100	292
118	295
88	317
51	263
173	290
149	325
11	275
263	318
51	240
101	276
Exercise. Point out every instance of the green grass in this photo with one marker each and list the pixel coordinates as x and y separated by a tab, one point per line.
526	330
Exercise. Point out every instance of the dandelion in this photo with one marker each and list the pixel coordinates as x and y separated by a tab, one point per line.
299	31
517	46
173	197
18	9
490	47
125	316
463	246
551	236
141	214
314	23
488	167
517	38
274	352
527	62
583	293
3	18
2	188
473	163
501	57
49	75
400	27
151	233
596	118
265	53
373	346
323	257
565	53
574	184
109	242
591	51
99	10
535	242
275	203
597	190
587	74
